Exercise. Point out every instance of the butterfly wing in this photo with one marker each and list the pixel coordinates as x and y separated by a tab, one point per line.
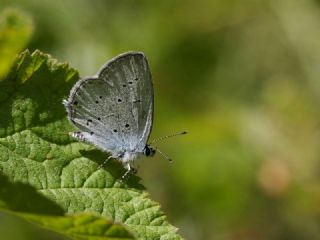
115	109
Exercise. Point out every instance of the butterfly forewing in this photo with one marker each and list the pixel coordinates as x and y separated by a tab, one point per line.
115	109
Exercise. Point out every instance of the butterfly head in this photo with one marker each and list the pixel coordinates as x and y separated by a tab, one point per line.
149	151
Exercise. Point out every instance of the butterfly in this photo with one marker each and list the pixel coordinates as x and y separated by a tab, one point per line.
114	109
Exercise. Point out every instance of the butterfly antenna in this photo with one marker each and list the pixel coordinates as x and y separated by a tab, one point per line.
160	139
164	155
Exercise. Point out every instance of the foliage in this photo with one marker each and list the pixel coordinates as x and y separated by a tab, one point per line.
241	76
45	174
15	31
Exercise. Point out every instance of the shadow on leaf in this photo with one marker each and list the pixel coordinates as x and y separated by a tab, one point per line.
24	198
113	167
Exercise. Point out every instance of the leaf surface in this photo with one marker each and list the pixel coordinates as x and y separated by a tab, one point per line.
46	173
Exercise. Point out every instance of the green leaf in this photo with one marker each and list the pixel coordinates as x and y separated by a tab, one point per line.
82	226
45	172
16	29
79	226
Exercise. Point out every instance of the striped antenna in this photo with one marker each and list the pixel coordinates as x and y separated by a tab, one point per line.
160	139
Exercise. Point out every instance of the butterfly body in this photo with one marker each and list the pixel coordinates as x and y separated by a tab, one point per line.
114	109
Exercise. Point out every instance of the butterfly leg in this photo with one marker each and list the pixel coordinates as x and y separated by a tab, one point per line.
104	162
130	170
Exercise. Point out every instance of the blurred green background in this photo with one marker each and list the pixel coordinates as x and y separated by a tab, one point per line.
243	77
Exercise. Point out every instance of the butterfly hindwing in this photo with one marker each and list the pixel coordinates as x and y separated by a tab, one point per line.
115	109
